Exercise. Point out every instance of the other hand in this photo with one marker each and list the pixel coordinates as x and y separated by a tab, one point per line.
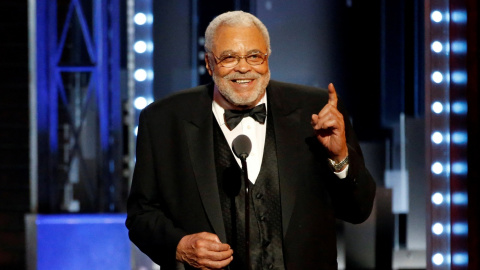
329	127
204	251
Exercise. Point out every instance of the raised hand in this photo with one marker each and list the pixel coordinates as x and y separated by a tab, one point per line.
204	251
329	127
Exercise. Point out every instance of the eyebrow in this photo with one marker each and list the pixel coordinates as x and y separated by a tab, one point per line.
230	52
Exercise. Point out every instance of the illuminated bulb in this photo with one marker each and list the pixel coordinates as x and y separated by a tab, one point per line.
140	75
460	258
459	16
459	46
437	228
436	16
437	259
460	198
460	107
437	77
437	46
460	168
140	46
459	137
437	107
437	137
460	228
437	168
140	18
140	103
437	198
459	77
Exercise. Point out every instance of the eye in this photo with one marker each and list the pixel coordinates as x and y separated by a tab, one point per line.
255	58
228	59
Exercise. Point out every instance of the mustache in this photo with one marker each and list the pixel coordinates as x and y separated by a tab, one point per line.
239	76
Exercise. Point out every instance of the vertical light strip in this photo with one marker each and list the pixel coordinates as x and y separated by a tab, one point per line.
139	66
143	53
438	132
459	135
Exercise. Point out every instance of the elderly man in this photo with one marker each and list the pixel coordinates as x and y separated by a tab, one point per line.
186	206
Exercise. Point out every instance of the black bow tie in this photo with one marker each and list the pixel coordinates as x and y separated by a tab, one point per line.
234	117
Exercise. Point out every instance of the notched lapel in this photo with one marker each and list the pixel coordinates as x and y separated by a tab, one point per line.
286	119
199	133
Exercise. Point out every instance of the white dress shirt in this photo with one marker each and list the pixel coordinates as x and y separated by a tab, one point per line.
256	132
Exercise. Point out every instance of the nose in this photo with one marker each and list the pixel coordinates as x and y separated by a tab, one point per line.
243	66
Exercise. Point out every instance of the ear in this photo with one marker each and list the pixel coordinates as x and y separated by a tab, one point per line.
207	64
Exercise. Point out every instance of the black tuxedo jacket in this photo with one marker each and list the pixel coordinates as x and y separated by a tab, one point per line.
174	189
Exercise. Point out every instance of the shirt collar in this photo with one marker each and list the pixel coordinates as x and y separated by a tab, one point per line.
218	110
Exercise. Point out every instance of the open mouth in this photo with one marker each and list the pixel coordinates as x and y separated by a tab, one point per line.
242	81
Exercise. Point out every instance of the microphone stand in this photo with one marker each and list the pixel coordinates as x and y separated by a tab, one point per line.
243	158
242	146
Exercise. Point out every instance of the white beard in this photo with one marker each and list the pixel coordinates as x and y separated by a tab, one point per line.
232	97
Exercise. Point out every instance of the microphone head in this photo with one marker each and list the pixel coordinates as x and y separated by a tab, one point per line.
242	146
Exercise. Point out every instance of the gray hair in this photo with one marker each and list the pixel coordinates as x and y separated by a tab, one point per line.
235	18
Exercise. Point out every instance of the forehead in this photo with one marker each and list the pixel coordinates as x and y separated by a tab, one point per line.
239	39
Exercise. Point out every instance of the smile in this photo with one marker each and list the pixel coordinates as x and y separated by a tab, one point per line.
242	81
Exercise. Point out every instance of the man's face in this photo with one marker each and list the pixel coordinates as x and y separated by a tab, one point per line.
242	85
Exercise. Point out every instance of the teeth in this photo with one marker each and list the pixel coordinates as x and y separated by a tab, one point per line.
243	81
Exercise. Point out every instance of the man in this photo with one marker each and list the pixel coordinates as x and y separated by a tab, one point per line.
186	206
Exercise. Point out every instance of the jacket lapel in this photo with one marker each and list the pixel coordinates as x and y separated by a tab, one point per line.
199	133
286	119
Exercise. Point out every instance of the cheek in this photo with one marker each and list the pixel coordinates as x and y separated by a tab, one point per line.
263	69
220	72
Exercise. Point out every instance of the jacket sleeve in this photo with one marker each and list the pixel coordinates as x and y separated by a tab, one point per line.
353	196
150	227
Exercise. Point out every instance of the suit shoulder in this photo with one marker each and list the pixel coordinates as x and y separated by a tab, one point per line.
183	99
297	89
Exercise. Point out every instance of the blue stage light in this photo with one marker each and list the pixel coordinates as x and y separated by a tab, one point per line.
459	77
436	16
460	107
460	168
460	137
140	103
459	47
460	198
437	46
437	77
437	228
437	137
437	198
459	16
140	75
460	258
437	168
437	107
460	228
438	259
140	18
140	46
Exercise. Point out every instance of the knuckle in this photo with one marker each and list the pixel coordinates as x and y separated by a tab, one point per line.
202	261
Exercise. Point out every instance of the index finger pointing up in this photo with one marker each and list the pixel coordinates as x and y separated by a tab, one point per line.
332	95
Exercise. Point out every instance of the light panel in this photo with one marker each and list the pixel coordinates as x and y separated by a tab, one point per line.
141	56
446	79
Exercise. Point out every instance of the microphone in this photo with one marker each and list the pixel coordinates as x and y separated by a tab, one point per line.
242	146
